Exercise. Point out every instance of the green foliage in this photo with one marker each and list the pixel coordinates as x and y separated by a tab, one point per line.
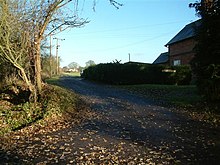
206	64
58	101
134	73
183	75
22	115
18	116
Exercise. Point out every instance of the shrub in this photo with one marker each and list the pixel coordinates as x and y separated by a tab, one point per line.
183	75
206	62
55	102
208	82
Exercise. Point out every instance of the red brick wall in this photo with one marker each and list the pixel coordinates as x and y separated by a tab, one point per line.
182	51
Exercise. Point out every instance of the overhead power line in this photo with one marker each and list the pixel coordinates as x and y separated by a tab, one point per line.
131	28
130	44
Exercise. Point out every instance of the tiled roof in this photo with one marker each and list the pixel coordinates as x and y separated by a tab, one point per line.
188	31
163	58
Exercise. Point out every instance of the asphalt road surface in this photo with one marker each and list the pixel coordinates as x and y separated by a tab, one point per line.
126	129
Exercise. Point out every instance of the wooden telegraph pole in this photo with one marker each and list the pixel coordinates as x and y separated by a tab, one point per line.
57	59
50	55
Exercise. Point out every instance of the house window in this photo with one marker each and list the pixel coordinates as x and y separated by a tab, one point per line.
176	62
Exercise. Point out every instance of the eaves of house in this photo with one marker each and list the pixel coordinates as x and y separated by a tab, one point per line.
162	59
189	31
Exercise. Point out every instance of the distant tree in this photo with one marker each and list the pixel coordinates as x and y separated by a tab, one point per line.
73	65
206	63
90	63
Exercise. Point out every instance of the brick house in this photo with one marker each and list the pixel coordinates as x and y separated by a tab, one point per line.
181	47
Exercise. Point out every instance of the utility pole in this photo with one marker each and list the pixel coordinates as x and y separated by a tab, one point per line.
50	55
57	59
129	57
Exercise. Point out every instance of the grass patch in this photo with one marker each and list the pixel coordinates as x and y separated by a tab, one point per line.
184	98
74	74
171	94
53	80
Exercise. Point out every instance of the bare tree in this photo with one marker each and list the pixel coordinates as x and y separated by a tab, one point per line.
31	21
47	15
14	41
50	15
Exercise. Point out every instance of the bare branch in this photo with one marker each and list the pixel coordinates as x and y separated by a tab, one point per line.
68	24
115	4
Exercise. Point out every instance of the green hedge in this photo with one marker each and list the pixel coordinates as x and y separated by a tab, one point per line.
132	73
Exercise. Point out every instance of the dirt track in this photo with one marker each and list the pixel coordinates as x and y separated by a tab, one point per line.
126	129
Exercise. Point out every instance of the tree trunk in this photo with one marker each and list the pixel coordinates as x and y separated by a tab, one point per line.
33	96
38	67
32	89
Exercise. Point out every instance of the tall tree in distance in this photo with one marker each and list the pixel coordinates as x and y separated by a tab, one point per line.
206	63
73	65
90	63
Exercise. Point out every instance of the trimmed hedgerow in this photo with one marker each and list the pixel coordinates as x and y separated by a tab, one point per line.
132	73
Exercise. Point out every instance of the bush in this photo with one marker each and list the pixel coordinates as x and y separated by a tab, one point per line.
134	73
206	62
16	112
183	75
208	82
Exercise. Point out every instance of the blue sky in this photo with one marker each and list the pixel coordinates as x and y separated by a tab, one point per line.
140	27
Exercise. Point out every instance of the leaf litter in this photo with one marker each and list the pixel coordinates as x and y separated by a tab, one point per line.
121	129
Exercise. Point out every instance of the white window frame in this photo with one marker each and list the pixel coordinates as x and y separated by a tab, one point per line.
176	62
